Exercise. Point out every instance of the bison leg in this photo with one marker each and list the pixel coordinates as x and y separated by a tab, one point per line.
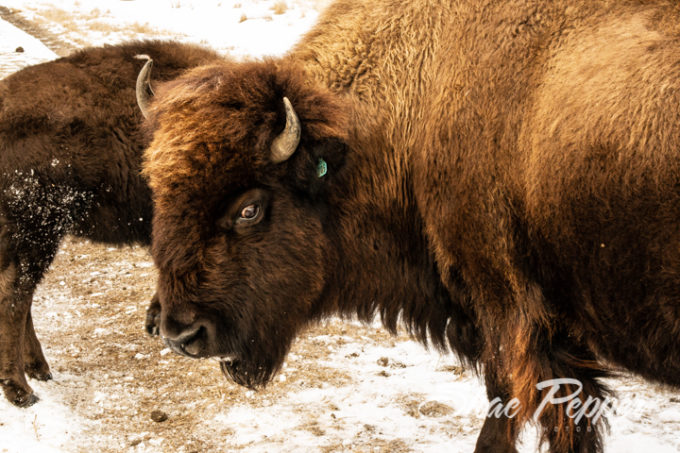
25	255
13	319
556	382
499	432
493	438
153	316
35	365
579	429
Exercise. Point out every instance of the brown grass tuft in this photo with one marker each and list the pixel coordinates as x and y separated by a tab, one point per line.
280	7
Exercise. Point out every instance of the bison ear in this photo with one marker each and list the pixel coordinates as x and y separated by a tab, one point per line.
317	165
287	142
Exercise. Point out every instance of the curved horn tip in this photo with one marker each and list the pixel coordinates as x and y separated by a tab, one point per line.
287	142
143	88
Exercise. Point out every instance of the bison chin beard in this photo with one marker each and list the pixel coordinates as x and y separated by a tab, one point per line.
247	374
254	369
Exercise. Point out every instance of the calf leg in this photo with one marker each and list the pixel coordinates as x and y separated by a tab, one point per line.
24	258
13	319
35	364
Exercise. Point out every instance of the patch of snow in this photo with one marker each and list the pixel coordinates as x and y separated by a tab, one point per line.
47	427
636	443
239	28
11	39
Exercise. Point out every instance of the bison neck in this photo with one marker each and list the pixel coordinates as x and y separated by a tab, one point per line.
384	265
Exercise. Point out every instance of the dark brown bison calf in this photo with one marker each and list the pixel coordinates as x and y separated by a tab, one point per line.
70	156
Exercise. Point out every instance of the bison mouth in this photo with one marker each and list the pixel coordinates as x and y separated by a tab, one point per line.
244	373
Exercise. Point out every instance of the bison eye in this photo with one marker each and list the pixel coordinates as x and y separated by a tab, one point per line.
250	213
244	211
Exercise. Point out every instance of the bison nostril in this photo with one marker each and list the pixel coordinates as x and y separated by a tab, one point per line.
193	345
186	342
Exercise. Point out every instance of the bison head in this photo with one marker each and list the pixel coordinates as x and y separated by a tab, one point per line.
237	169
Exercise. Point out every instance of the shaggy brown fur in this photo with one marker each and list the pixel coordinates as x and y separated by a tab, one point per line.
503	176
70	155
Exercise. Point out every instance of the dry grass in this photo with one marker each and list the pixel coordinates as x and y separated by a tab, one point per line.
75	28
57	16
280	7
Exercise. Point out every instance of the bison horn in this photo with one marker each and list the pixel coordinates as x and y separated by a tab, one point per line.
285	144
144	91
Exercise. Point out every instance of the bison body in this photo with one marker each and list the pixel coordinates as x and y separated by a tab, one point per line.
70	156
502	176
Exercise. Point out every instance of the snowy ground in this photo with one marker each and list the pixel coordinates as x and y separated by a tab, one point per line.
236	27
345	387
18	49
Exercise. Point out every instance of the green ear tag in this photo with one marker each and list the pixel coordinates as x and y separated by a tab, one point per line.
321	168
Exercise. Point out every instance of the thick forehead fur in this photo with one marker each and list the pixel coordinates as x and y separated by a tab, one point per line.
218	122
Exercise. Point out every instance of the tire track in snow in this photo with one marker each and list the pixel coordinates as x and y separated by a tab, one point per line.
50	40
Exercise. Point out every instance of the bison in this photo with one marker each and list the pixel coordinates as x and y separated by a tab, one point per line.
503	177
70	157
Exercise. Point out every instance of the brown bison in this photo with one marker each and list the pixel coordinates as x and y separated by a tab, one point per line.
70	156
502	176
